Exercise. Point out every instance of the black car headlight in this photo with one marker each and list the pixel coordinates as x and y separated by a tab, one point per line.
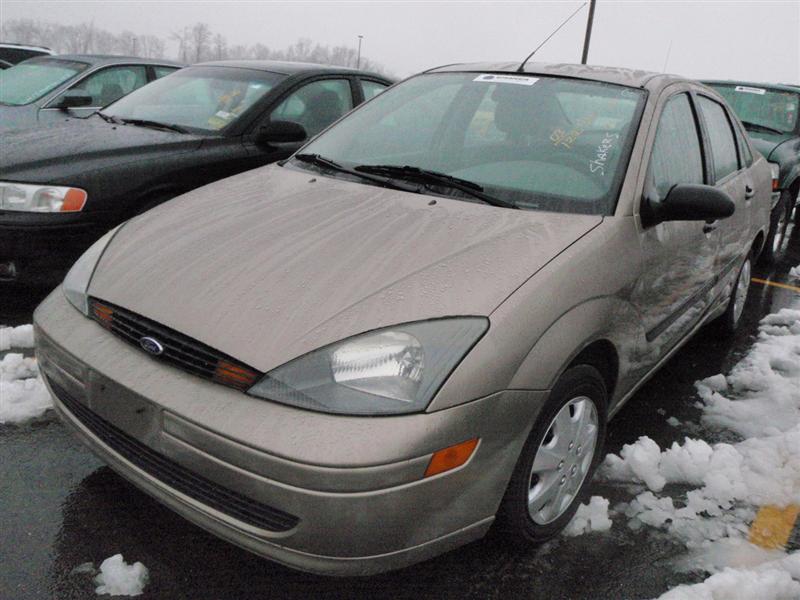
27	197
387	371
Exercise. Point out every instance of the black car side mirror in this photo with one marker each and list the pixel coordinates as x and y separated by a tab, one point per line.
688	202
74	99
281	132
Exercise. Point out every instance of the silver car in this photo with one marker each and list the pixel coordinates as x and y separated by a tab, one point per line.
418	327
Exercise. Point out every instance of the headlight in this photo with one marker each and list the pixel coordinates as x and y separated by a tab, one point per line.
775	169
76	283
387	371
40	198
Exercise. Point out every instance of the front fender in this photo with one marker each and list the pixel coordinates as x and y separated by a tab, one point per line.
607	319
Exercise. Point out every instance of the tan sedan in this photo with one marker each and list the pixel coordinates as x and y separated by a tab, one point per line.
417	327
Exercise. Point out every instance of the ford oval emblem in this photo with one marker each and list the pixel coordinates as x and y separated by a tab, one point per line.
151	346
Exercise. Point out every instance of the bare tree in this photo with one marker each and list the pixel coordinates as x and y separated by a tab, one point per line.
201	40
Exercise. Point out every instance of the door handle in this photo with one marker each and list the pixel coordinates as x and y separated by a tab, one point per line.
749	192
709	226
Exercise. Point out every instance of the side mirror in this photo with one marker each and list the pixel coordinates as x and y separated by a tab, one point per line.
281	132
688	202
74	99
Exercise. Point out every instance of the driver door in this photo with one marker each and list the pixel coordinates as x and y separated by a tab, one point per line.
679	257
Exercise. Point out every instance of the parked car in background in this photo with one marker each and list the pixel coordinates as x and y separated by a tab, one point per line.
53	88
419	324
63	186
771	115
12	54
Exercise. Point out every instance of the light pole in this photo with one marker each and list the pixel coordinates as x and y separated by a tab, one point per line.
588	38
358	61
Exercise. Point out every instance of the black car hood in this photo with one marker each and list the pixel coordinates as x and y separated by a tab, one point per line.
766	142
30	154
18	117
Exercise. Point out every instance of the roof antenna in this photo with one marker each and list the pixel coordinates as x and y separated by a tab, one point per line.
521	68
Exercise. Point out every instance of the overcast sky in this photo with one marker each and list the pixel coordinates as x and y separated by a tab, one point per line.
755	39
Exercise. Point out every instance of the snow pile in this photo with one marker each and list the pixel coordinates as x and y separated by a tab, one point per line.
120	579
590	517
773	580
760	401
23	394
795	272
16	337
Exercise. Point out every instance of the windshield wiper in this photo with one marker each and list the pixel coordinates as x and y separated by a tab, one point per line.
436	178
153	124
108	118
760	127
327	163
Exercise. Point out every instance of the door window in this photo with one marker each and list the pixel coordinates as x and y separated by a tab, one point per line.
111	84
720	134
677	156
371	88
316	105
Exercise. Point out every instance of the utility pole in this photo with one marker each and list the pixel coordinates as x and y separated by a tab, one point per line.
588	32
133	40
358	62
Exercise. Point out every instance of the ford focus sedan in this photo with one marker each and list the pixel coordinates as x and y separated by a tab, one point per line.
417	327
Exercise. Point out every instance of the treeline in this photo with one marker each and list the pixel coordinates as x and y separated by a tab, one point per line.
194	44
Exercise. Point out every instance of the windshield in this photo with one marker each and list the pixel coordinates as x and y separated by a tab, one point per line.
207	99
542	143
774	109
28	81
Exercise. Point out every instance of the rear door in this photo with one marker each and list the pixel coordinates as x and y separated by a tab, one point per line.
679	257
730	174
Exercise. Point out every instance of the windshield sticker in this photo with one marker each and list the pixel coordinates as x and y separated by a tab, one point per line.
515	79
559	137
598	165
750	90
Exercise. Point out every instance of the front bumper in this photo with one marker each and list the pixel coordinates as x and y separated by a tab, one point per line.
42	248
350	490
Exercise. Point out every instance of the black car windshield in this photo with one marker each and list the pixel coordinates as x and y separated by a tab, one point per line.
207	99
30	80
756	106
545	143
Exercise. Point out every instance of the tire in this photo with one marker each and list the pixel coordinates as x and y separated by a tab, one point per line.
730	319
778	223
583	387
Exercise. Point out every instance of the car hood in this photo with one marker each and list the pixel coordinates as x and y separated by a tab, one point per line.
27	154
766	143
271	264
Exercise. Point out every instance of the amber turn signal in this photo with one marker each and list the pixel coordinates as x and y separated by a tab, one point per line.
451	457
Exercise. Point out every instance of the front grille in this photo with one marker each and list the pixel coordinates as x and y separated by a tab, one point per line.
176	476
178	350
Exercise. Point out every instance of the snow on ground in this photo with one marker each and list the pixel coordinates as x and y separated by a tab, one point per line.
590	517
760	401
16	337
795	272
23	394
117	578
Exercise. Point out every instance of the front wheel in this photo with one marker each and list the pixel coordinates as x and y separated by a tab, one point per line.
558	460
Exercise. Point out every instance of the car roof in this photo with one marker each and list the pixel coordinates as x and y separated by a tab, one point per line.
617	75
786	87
109	59
285	67
43	49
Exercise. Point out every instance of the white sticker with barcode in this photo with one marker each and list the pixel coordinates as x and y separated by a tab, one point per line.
751	90
515	79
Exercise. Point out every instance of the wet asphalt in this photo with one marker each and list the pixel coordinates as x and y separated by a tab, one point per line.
61	507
